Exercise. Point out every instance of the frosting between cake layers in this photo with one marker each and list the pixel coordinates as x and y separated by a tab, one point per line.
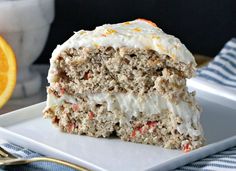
133	34
131	105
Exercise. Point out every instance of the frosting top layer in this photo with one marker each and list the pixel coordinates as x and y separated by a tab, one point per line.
139	33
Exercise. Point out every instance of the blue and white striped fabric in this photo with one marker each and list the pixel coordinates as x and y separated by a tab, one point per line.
26	153
223	161
222	70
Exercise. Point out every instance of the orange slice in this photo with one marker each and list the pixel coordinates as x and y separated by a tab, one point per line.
7	71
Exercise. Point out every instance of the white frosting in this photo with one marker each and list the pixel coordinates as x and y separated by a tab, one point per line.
150	104
54	101
133	34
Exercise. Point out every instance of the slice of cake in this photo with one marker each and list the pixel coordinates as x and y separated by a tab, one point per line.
127	79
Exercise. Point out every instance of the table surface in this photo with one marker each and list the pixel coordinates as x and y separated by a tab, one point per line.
14	104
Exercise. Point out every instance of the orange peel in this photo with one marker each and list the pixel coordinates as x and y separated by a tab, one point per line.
8	71
148	21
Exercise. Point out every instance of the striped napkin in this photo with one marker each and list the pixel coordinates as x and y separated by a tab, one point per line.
26	153
222	70
223	161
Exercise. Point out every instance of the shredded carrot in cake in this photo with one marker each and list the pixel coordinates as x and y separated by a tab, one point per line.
91	115
70	127
62	91
133	134
152	123
87	75
75	107
139	129
187	148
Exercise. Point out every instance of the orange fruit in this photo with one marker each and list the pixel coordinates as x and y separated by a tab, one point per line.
7	71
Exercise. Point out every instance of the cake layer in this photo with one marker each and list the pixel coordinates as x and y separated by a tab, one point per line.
150	104
139	71
103	115
132	106
134	34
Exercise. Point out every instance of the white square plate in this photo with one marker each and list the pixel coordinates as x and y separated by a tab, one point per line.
27	128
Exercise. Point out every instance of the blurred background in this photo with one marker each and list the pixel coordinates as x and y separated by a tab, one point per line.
203	26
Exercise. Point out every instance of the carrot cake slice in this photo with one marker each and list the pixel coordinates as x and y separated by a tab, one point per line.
127	79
